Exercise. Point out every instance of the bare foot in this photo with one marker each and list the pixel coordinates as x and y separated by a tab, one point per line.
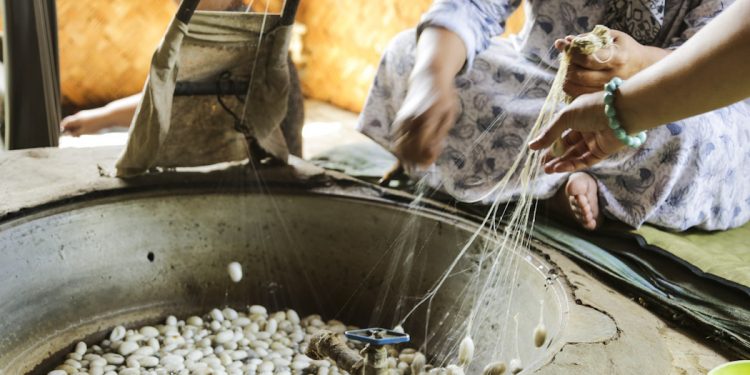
579	200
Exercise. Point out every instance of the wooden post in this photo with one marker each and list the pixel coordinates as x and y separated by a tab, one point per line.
32	102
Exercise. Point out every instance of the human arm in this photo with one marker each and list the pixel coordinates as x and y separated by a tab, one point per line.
708	71
117	113
450	35
429	109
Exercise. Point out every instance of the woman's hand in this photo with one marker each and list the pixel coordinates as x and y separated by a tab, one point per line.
625	58
588	139
431	105
427	115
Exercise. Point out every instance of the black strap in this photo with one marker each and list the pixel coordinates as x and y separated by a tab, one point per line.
290	12
187	8
208	88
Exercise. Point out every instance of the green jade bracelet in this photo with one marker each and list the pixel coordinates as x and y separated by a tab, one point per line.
633	141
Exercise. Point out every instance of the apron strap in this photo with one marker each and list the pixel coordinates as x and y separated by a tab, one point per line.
290	11
187	8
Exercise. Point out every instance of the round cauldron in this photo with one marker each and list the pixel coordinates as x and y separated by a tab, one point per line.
72	271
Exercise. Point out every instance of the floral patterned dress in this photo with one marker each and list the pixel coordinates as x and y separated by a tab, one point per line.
691	173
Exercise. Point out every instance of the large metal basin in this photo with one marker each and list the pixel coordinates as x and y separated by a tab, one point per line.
73	271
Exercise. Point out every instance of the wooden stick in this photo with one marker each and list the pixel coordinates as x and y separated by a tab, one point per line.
327	344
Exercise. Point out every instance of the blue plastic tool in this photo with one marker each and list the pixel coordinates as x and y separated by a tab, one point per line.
377	336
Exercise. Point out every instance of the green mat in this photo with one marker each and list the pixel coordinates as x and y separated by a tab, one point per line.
724	254
705	305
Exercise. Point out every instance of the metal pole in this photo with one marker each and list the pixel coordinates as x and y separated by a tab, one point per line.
32	102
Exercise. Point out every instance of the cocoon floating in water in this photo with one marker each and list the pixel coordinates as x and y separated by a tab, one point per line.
235	271
494	368
466	351
540	335
418	365
515	366
540	332
454	370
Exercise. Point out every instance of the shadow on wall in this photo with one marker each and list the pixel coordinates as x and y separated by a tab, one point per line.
106	47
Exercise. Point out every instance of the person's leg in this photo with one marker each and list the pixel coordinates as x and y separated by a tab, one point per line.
688	174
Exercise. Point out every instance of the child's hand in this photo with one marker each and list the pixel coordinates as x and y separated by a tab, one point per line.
85	122
625	58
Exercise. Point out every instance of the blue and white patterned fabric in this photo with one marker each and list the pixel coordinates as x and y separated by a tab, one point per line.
693	173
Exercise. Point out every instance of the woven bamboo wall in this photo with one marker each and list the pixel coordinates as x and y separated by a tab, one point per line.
106	47
344	42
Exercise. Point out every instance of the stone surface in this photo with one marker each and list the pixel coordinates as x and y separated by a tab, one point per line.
47	174
638	335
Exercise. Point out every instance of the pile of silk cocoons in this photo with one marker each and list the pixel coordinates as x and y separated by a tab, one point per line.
223	342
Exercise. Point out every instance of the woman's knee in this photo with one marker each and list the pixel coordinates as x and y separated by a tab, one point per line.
398	58
403	41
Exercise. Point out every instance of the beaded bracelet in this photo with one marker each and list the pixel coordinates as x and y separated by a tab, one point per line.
633	141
